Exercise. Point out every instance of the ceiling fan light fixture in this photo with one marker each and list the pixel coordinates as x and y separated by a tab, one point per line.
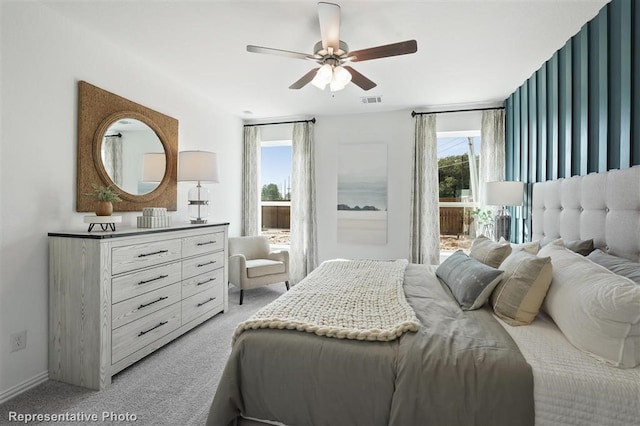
323	76
331	52
341	75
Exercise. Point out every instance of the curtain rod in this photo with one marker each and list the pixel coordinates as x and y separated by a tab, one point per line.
117	135
413	113
313	120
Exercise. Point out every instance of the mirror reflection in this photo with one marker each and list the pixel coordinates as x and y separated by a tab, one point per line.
123	150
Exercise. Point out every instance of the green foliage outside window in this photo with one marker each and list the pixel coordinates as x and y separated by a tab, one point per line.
453	175
270	192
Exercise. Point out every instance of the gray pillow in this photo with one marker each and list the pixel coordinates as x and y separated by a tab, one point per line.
470	281
618	265
490	252
583	247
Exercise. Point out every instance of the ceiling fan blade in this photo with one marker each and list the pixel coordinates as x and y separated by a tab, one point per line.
304	80
360	80
279	52
329	16
395	49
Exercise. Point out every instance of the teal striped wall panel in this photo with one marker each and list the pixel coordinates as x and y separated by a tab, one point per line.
541	155
564	110
580	112
619	152
524	132
552	117
508	130
598	93
533	130
516	136
580	130
635	83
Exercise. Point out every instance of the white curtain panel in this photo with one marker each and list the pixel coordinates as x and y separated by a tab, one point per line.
112	158
425	214
492	155
250	181
304	243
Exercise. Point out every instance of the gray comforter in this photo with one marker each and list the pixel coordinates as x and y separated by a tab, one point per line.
460	368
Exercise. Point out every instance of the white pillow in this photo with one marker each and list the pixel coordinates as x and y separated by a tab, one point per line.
531	247
597	310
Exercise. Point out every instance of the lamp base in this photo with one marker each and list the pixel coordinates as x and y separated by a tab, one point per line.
198	204
503	225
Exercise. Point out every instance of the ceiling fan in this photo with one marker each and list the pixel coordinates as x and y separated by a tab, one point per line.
332	54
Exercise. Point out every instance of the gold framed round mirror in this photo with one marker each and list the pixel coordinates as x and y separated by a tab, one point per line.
102	114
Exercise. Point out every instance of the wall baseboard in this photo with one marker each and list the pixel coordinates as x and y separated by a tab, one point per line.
24	386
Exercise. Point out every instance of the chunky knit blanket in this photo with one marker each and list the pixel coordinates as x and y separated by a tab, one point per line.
345	299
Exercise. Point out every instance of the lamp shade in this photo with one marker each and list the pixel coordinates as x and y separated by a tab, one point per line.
198	166
323	76
504	193
153	166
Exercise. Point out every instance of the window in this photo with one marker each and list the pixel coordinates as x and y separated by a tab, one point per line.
458	162
275	187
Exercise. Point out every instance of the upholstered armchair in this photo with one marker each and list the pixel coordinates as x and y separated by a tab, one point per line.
252	264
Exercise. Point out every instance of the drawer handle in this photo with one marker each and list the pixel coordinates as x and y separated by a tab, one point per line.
205	264
204	282
206	301
142	333
151	254
153	279
144	305
208	242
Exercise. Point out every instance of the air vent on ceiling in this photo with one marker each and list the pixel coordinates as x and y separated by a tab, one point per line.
371	99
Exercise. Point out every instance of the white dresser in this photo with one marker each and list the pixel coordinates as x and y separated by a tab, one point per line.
115	297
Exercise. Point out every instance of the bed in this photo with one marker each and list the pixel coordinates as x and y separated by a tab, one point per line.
458	366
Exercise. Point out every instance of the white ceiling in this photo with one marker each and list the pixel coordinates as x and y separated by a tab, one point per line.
470	53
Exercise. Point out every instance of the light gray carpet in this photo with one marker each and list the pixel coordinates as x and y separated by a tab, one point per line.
172	386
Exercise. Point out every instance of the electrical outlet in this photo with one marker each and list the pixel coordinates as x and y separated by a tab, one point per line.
18	340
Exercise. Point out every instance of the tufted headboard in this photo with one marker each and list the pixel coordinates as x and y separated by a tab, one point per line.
603	206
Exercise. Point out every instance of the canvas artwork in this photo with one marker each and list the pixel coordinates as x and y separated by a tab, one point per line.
362	193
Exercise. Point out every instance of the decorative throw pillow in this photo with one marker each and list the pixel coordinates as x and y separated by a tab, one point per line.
470	281
597	310
619	265
532	247
518	297
583	247
490	252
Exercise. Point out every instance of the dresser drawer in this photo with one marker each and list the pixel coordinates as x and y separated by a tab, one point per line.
202	282
132	309
137	283
201	264
136	256
201	244
201	303
138	334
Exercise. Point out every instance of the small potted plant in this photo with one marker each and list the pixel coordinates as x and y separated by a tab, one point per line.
105	197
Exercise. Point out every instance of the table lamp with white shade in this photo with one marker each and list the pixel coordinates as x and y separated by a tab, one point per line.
198	166
503	194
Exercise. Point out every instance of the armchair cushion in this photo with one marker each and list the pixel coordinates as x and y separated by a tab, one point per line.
261	267
250	247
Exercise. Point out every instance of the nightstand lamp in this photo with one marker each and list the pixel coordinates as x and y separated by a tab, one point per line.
503	194
198	166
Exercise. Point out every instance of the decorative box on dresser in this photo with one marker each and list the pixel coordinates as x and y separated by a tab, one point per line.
115	297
